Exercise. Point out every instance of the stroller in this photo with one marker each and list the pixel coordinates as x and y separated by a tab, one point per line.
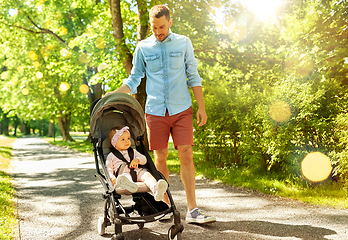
117	110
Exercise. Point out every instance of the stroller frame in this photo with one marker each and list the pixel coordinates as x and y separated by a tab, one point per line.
114	212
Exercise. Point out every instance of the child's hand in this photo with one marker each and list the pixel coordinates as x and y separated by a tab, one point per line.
134	163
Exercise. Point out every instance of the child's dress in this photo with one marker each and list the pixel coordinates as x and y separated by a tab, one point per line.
113	164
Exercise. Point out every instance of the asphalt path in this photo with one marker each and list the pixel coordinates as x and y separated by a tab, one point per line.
59	198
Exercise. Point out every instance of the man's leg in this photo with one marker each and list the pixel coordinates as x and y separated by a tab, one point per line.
161	165
187	173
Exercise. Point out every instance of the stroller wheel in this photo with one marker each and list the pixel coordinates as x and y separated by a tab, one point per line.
117	237
141	225
101	226
176	237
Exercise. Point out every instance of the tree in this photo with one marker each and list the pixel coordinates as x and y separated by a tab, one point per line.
35	42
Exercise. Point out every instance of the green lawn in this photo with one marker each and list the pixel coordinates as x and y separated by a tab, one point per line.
8	219
332	194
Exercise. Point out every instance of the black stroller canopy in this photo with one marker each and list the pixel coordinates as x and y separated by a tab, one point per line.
117	110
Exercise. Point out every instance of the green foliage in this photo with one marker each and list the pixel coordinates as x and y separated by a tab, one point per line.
7	212
250	83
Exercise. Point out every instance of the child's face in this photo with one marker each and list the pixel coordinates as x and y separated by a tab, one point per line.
123	142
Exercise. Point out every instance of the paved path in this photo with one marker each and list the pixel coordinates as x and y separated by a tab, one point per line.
59	198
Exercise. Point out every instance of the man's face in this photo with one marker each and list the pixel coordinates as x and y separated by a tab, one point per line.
160	27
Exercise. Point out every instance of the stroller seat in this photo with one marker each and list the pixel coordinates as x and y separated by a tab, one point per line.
142	188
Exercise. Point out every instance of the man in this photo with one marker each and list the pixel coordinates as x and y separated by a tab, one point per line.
168	61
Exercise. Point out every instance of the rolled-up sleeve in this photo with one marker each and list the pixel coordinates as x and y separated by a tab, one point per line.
137	73
193	77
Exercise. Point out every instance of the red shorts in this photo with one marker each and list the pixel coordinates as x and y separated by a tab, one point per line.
180	126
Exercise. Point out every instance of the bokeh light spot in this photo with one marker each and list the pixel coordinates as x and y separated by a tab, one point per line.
39	75
51	46
84	88
14	82
20	68
25	91
64	86
65	53
316	167
102	66
100	43
4	75
33	55
48	23
63	30
42	85
36	64
280	111
84	58
90	31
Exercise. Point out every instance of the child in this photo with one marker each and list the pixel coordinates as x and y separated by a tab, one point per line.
120	140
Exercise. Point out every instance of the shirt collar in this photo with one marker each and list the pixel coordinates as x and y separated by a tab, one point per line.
168	39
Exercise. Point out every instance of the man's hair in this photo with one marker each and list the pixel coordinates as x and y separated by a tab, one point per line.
158	11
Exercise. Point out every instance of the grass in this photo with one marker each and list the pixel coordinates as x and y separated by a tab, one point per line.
8	219
333	194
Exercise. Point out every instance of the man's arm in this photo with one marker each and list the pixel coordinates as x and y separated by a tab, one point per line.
201	114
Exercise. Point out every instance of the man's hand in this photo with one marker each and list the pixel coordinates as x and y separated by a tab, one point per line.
201	117
123	89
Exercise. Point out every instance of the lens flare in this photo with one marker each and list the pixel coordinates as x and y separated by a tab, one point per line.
25	91
316	167
64	86
84	88
299	64
239	33
280	111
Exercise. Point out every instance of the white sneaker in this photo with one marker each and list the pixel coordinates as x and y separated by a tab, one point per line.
162	186
123	182
197	217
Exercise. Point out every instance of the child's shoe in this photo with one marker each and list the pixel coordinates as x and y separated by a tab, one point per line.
162	186
123	182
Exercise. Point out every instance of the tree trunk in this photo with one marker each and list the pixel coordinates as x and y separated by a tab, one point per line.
64	125
27	128
16	122
117	27
124	52
50	129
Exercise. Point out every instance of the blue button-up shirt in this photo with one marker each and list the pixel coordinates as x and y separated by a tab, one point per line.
170	67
